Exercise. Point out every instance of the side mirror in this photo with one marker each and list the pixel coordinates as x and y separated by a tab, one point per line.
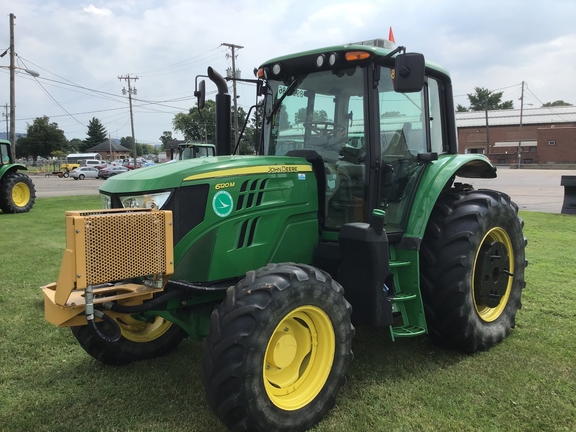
409	73
201	94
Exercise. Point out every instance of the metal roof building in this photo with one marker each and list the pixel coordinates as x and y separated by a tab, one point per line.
547	135
509	117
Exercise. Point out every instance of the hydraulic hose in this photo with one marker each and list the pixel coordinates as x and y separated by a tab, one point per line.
91	312
144	307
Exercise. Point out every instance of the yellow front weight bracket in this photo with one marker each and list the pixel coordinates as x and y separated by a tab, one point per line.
105	248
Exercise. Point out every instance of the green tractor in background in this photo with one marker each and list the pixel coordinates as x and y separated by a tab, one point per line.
351	213
191	150
17	192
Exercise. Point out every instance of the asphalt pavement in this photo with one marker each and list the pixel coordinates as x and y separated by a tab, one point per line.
48	186
531	189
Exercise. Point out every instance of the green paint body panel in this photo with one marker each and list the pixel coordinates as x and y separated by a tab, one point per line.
274	219
6	162
437	174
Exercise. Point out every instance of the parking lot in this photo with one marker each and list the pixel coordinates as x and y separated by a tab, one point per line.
534	190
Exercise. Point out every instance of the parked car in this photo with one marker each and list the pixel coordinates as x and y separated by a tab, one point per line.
111	171
84	172
130	165
94	163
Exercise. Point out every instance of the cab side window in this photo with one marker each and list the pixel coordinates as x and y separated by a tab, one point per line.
4	154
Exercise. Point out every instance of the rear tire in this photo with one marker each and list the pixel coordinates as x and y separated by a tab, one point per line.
81	177
139	340
472	267
278	349
17	193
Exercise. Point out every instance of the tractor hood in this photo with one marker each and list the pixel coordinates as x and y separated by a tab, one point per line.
176	174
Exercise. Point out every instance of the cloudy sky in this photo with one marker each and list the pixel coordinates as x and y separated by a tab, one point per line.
80	48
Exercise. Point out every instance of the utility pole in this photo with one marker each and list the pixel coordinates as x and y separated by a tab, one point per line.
12	89
127	78
233	49
520	131
487	129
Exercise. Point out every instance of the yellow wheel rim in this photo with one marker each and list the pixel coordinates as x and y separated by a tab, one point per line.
140	331
492	275
299	357
21	194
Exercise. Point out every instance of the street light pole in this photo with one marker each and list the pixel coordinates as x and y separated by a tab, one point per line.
12	89
12	67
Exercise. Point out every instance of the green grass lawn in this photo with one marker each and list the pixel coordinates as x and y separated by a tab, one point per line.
527	383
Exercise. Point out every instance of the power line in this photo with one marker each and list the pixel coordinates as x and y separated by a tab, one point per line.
55	101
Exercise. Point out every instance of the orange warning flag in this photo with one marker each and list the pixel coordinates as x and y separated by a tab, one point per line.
391	36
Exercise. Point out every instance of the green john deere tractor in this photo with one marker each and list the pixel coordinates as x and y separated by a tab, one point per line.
17	192
351	213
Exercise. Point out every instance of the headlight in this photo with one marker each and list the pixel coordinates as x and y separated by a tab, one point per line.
105	201
151	201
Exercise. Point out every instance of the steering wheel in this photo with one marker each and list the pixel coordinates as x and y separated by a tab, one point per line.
326	129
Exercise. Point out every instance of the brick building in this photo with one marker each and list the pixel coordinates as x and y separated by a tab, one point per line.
110	150
548	135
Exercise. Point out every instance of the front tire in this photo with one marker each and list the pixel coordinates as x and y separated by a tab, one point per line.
17	193
139	341
278	349
472	266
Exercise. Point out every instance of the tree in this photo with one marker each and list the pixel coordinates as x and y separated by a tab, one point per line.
42	138
128	143
97	134
197	125
461	108
484	99
147	149
75	145
241	121
251	139
556	103
165	138
317	116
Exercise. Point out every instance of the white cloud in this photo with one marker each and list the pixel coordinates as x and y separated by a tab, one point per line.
168	42
96	11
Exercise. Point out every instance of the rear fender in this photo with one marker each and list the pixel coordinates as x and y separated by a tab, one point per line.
440	174
10	168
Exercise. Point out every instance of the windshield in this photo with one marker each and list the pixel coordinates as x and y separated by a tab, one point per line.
323	113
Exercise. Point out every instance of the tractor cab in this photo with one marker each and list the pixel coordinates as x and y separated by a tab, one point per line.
368	122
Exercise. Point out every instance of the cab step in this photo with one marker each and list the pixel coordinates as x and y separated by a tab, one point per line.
407	301
407	331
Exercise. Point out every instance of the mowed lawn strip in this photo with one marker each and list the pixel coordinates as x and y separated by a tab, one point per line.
527	383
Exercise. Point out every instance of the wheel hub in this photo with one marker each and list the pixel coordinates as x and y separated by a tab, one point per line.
20	194
299	357
492	273
284	351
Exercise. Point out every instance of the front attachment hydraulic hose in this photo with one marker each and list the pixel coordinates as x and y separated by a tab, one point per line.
91	313
144	307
